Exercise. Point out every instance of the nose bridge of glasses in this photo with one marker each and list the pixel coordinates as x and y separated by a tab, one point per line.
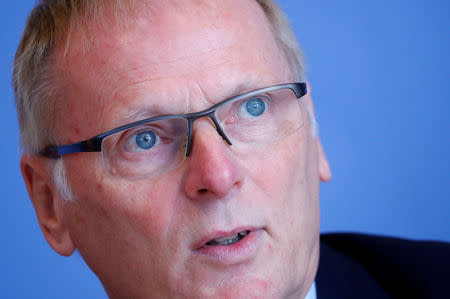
215	123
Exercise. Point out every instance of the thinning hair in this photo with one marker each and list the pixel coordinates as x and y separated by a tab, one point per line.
50	25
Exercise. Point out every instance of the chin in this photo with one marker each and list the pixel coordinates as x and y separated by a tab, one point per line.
239	288
236	286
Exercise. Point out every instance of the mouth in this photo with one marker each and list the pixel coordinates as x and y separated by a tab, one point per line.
232	247
228	240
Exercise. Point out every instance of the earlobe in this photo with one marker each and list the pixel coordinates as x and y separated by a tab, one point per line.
46	202
324	167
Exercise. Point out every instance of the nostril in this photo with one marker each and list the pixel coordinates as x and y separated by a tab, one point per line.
203	190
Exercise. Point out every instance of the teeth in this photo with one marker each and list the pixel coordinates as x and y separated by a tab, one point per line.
219	240
244	233
228	240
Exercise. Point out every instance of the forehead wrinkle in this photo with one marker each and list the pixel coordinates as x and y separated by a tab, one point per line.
142	78
161	70
188	96
142	100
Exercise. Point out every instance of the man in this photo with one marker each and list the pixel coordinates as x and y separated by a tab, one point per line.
173	144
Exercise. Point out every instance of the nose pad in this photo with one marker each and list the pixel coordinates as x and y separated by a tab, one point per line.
219	129
216	125
212	171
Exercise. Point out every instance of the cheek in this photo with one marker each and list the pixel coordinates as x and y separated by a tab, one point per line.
144	208
136	212
124	222
287	174
281	170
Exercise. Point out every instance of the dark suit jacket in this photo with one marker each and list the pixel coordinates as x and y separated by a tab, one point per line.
362	266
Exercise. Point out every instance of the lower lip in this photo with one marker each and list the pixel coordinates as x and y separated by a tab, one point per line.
236	253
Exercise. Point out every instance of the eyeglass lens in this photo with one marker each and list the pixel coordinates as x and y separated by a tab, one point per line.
150	149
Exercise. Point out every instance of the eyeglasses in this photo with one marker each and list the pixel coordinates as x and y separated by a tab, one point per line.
152	146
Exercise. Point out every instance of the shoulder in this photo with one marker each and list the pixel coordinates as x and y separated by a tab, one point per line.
393	266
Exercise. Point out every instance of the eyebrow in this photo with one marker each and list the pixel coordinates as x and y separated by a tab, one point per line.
241	88
144	111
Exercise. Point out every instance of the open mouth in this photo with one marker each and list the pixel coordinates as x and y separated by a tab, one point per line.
229	240
230	247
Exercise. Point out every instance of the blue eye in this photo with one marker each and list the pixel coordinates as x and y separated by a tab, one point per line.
255	107
146	140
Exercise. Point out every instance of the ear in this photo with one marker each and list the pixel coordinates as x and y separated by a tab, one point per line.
46	202
324	167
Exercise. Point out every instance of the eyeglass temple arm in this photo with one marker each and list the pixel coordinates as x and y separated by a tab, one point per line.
95	144
90	145
300	89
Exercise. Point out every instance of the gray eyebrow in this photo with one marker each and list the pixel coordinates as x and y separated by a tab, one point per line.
145	110
240	89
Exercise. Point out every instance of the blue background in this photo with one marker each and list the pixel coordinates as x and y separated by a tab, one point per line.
379	72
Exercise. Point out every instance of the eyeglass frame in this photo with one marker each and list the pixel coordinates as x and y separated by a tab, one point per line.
94	144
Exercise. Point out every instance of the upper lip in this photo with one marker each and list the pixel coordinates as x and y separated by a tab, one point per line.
221	234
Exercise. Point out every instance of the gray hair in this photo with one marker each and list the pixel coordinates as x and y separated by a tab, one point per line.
50	25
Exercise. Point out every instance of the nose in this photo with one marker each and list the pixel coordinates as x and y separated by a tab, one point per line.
212	171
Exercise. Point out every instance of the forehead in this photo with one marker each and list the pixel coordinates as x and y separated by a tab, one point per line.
175	57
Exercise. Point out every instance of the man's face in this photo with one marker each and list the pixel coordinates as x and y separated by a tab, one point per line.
145	238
